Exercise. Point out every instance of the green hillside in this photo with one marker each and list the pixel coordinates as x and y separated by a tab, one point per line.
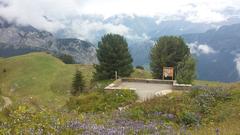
38	78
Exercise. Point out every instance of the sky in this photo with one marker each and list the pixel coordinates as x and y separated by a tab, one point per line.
84	19
52	15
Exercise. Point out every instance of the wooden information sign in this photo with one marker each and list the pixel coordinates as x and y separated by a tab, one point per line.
167	72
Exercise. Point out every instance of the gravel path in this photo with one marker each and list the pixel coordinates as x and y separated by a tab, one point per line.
147	90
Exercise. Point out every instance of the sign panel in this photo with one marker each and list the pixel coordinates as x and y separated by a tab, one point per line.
168	72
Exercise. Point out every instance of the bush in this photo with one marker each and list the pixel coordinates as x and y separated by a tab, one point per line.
140	67
1	102
92	102
205	100
4	70
120	98
136	113
186	71
188	118
67	59
101	102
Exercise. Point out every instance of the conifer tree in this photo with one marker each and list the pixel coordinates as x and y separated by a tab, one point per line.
168	51
113	55
78	84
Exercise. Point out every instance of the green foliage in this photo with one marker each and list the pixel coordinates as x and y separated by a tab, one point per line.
120	98
207	99
137	113
4	70
186	71
191	108
1	101
101	102
168	51
78	83
23	120
67	59
139	73
140	67
189	118
113	55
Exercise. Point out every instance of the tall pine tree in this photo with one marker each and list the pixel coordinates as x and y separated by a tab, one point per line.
113	55
78	84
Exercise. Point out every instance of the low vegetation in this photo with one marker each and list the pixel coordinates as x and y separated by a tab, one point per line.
139	73
67	59
199	108
101	101
195	112
140	67
39	86
1	102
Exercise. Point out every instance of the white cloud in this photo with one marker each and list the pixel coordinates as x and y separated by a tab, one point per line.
199	49
29	12
88	29
58	11
237	62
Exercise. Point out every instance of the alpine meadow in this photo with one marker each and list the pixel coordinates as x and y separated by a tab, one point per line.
147	67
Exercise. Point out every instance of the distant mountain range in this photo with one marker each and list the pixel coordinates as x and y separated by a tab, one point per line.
217	52
16	40
217	49
222	60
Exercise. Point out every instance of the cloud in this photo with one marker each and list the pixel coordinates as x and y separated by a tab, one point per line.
35	12
29	12
199	49
92	30
237	62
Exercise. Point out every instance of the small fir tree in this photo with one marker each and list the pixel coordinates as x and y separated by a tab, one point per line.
78	83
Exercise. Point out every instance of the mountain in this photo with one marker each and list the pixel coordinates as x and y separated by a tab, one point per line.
16	39
156	26
217	52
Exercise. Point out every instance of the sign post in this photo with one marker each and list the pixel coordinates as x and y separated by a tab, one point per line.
167	72
116	75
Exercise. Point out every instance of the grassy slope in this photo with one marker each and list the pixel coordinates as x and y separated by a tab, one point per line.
48	81
229	110
39	78
42	79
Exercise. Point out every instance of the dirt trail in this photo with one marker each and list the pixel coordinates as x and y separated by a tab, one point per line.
7	101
